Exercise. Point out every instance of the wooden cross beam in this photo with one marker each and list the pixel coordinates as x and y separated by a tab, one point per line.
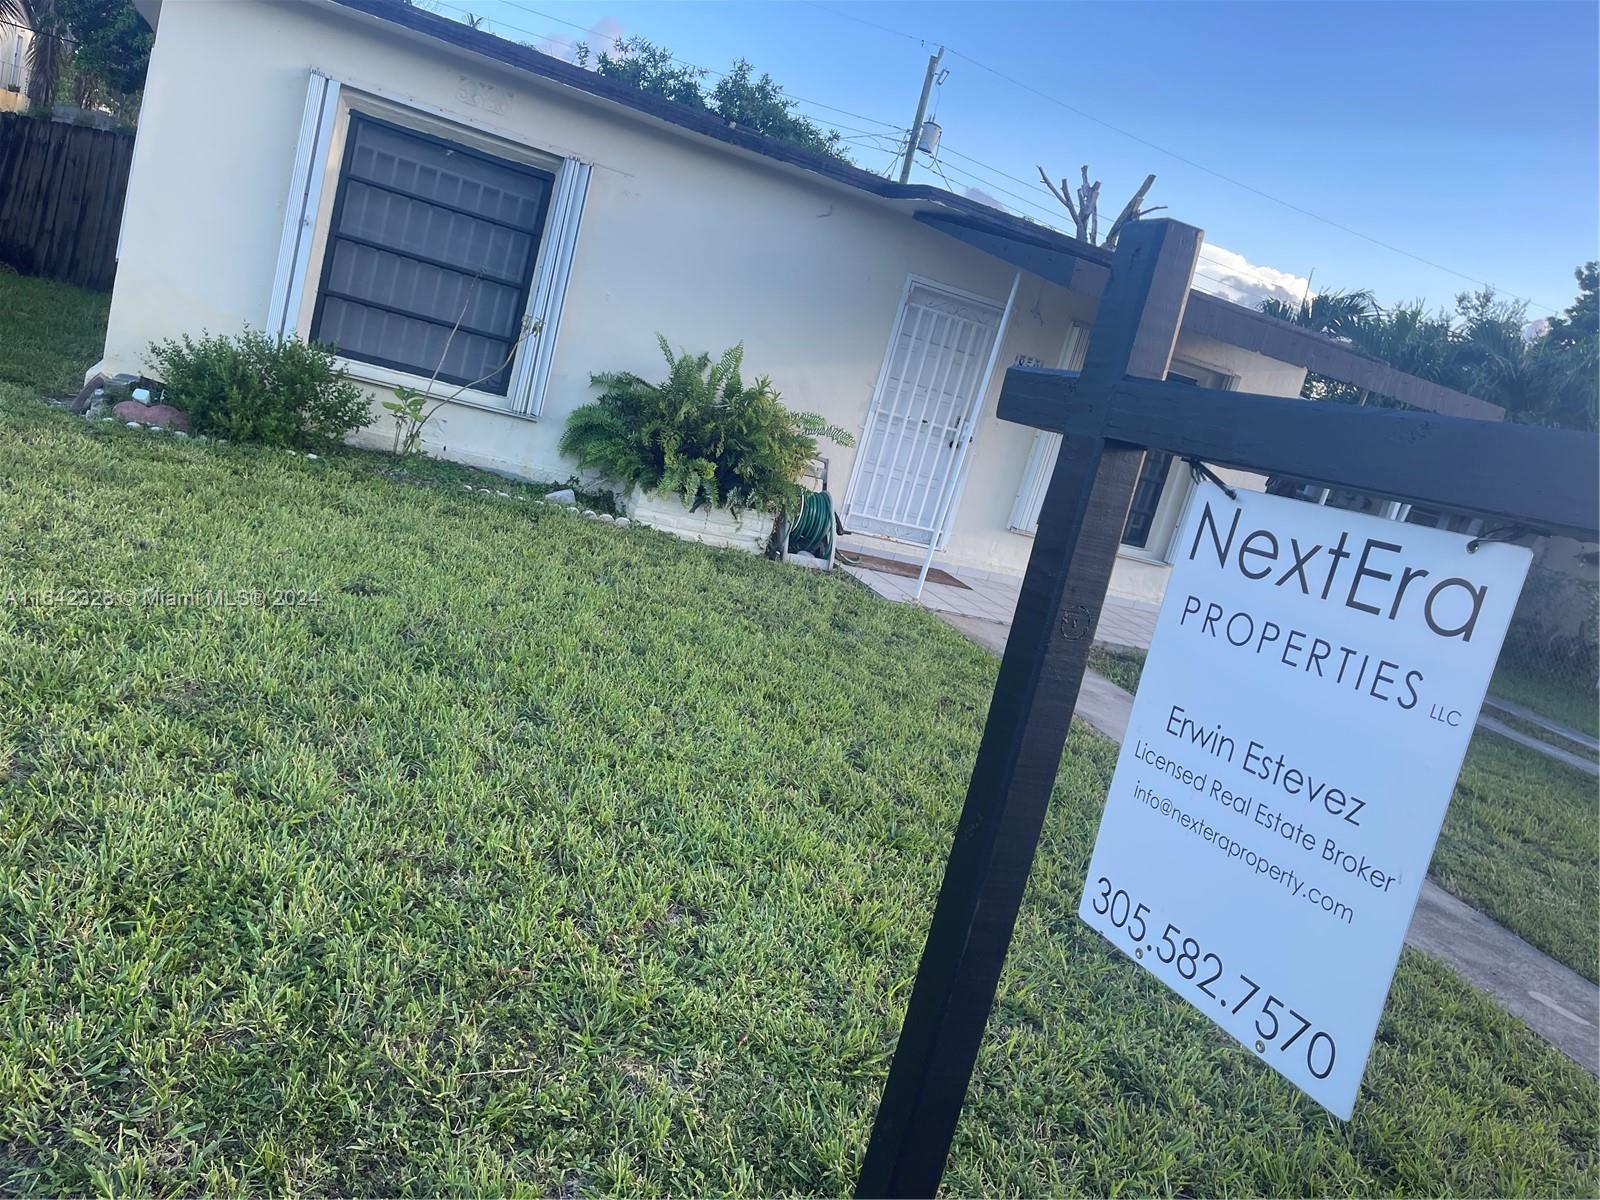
1107	415
1547	479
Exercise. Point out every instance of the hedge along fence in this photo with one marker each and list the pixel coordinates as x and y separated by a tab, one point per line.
61	190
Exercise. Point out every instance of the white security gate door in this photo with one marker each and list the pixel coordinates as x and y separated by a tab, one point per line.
926	405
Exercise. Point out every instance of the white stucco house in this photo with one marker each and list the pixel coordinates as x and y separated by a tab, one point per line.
362	172
16	39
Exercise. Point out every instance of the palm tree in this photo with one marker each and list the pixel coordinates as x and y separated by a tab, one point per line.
47	50
1337	314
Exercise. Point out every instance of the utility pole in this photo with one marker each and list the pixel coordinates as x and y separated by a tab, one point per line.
922	111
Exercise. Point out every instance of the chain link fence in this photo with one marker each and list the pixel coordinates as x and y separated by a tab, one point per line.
1549	672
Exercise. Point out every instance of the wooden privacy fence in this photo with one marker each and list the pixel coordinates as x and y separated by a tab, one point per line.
61	189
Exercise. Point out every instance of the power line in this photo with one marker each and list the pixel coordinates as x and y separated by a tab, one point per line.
1249	271
55	37
1239	183
684	62
898	134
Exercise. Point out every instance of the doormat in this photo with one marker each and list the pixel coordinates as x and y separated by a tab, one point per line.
893	566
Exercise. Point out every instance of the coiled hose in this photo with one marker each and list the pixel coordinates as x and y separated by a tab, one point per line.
812	531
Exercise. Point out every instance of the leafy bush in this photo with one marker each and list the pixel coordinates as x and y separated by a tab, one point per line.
702	435
254	388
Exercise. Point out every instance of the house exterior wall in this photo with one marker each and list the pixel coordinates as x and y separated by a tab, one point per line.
14	45
680	235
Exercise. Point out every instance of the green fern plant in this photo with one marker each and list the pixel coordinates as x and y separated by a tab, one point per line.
701	435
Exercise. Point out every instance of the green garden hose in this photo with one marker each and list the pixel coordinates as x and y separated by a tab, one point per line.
812	531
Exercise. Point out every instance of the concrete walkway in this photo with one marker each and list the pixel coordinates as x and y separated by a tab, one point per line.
1577	762
1554	1001
1566	732
1588	747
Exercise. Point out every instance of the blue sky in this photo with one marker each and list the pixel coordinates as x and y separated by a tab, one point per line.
1463	134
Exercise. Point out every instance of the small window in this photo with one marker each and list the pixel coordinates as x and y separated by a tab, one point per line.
1147	499
427	237
1152	485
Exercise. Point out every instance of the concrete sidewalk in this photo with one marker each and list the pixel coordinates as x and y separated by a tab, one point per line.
1554	1001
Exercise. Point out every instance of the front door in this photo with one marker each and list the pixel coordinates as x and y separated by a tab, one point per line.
925	408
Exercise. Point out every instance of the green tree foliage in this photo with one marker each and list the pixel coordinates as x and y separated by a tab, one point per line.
112	42
741	98
93	53
1482	348
1333	313
760	104
642	64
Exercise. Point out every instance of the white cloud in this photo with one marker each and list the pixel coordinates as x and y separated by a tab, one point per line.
1232	276
602	35
983	197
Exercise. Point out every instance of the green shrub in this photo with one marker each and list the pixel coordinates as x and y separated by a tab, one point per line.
254	388
701	435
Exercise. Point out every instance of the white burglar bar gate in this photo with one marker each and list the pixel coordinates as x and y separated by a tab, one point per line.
923	414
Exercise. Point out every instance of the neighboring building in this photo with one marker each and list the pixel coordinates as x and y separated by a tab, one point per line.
366	172
15	39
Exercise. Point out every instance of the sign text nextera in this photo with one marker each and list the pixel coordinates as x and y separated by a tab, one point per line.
1370	577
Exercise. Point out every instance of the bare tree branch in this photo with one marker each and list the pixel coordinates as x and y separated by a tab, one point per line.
1059	193
1086	212
1130	211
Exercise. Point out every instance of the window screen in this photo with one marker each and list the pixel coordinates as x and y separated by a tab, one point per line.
426	234
1148	491
1147	498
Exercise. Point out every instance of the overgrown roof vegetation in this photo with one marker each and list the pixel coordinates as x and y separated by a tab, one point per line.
740	97
547	857
1545	372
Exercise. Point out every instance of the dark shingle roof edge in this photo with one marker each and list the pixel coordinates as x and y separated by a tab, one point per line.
696	120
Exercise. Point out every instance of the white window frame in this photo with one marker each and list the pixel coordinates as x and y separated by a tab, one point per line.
1042	454
319	155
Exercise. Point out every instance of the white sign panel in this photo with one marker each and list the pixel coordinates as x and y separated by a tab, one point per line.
1310	691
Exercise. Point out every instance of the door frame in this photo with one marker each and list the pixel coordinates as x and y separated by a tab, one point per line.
975	411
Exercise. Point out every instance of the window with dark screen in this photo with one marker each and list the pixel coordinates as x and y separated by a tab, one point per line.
427	237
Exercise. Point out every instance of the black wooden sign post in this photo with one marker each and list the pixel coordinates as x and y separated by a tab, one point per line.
1108	415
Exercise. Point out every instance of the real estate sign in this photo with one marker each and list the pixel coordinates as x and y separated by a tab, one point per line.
1310	691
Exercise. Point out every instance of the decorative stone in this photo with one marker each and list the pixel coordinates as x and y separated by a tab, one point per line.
93	390
623	522
312	457
153	414
507	495
142	395
563	496
134	425
608	518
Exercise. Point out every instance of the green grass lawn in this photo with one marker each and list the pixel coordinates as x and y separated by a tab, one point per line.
545	857
1122	665
1519	840
1519	844
49	334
